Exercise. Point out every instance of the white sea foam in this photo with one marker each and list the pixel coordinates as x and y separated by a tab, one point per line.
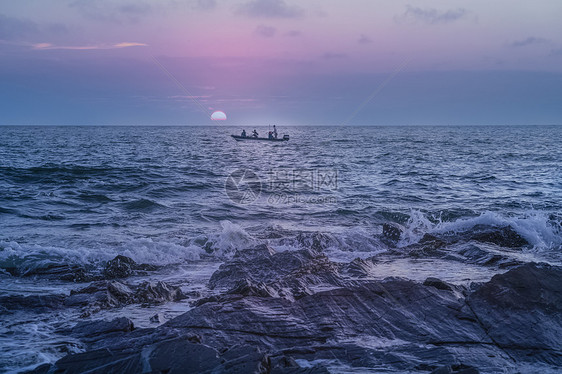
538	228
231	238
342	246
534	226
149	251
27	257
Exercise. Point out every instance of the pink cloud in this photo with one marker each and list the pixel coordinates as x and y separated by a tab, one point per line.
46	46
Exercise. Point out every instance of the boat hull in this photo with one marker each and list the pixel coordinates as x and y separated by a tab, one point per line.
240	138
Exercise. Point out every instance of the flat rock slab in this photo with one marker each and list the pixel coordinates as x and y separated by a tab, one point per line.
393	325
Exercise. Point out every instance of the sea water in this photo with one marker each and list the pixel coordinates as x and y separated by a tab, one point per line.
185	198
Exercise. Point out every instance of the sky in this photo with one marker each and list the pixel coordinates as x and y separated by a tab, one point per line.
332	62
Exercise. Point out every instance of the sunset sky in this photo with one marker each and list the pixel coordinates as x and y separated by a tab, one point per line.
280	61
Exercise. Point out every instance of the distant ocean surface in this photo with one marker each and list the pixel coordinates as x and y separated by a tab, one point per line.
185	198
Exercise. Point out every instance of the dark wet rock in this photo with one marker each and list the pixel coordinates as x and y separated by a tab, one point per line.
416	251
246	287
41	369
193	294
392	309
521	310
109	294
296	369
510	263
430	246
513	320
476	255
35	303
122	267
66	272
456	369
257	259
105	294
170	356
468	252
96	329
283	364
260	271
13	271
402	358
119	267
222	298
477	245
392	231
504	236
432	242
73	273
178	356
315	241
473	254
157	318
98	362
359	268
157	292
430	251
437	283
273	232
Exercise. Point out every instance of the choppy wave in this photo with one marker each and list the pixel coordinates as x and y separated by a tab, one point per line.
162	200
82	195
543	231
221	244
143	205
27	258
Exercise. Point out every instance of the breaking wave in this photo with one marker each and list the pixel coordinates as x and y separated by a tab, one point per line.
542	230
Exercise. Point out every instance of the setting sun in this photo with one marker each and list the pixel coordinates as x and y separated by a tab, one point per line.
218	115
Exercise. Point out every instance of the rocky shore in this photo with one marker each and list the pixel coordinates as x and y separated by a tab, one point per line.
299	312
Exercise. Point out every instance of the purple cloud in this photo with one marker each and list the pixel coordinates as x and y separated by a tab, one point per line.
135	8
529	41
433	16
107	12
205	4
293	33
23	32
364	39
265	31
270	9
14	28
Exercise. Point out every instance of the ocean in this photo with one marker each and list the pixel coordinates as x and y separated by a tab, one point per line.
185	198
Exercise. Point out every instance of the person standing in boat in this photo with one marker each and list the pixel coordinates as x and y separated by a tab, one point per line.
255	134
274	132
244	133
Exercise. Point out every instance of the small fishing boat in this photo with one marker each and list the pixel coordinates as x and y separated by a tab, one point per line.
240	138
